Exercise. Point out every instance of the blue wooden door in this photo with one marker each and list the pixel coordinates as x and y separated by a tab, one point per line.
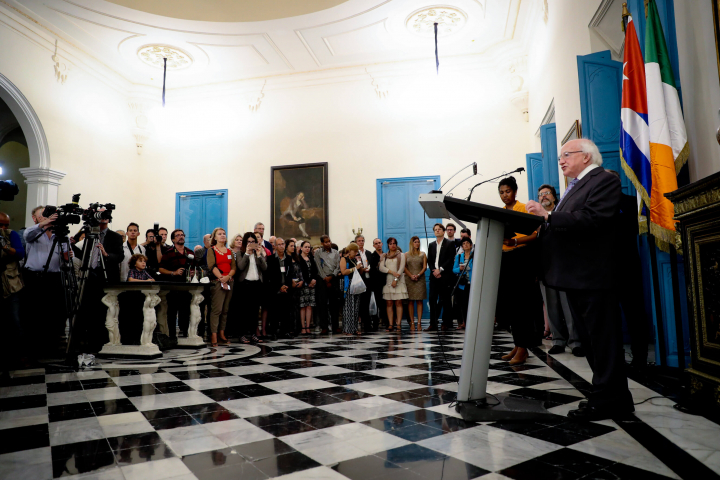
548	142
401	216
198	213
600	97
535	171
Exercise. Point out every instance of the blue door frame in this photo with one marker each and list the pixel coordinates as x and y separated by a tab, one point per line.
199	212
407	212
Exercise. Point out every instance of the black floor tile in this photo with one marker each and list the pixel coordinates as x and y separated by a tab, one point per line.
65	467
286	375
425	402
135	440
574	461
620	470
263	449
215	373
314	398
272	419
389	424
70	386
285	464
192	375
216	416
172	387
223	394
366	468
521	379
164	413
254	390
97	383
260	377
402	396
417	432
24	438
321	421
551	399
21	403
203	408
71	411
173	422
289	428
139	390
240	471
112	407
90	448
201	462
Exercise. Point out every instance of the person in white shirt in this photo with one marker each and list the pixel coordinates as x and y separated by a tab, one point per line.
130	248
367	321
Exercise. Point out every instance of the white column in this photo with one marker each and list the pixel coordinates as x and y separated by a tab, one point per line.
42	188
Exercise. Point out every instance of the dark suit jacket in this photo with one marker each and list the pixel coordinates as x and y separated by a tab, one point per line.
273	277
377	278
309	274
114	247
579	245
447	257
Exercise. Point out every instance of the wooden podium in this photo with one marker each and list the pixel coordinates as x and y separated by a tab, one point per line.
493	224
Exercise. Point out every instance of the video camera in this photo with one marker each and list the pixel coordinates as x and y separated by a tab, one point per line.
8	190
72	213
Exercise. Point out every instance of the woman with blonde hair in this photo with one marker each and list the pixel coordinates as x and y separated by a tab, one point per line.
234	312
350	262
394	292
221	264
415	266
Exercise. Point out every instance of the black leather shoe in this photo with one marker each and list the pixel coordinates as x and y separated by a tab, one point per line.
556	349
583	404
593	414
578	352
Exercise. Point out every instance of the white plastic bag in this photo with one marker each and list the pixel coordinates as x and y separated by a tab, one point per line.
357	286
373	309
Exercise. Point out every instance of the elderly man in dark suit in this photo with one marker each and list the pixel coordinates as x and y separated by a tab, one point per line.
578	256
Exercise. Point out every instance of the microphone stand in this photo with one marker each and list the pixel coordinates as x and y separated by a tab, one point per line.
474	164
519	170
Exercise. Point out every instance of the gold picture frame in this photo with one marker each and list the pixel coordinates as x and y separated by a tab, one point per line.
575	131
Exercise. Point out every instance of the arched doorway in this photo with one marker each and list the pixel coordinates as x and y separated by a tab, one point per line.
40	181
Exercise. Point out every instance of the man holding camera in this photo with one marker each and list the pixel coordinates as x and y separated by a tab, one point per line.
155	249
173	268
43	299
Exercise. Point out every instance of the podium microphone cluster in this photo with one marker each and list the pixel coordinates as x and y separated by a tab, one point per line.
517	170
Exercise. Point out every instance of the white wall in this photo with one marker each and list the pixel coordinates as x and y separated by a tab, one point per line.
700	85
425	127
422	128
553	65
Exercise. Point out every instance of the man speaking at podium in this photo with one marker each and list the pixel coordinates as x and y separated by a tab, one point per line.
578	242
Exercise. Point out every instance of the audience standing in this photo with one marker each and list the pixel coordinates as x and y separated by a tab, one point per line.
278	282
173	267
221	266
309	270
463	268
368	324
130	248
441	254
350	263
11	254
377	283
250	266
327	260
292	268
415	267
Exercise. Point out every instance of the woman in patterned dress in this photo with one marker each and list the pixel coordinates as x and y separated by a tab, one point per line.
310	276
349	263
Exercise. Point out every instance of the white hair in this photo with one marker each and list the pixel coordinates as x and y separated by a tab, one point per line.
588	146
259	223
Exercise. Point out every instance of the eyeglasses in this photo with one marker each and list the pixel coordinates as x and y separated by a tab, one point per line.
4	224
544	194
567	154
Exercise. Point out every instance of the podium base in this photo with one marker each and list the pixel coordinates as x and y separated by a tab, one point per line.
509	408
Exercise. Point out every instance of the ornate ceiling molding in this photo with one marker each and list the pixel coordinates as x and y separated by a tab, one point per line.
155	56
422	22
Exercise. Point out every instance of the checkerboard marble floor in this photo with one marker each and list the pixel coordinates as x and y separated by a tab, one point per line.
328	407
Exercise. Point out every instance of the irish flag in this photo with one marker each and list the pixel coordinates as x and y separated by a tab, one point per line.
668	139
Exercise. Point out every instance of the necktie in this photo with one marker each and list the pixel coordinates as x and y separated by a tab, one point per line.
567	190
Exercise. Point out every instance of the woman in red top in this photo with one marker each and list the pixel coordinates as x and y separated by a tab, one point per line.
221	263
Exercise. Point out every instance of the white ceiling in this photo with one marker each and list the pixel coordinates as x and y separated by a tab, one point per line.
348	33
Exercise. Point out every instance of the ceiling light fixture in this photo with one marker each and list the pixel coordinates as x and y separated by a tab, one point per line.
164	74
437	60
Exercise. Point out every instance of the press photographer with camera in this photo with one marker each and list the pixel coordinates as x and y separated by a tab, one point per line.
45	318
155	249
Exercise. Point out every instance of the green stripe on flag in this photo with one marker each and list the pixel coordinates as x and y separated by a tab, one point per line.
655	48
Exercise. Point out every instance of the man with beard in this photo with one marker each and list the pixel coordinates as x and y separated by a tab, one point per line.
173	268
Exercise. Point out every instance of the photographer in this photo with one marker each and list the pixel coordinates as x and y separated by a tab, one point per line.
155	249
11	253
43	299
173	268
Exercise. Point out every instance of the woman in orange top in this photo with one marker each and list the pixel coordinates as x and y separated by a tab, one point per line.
518	281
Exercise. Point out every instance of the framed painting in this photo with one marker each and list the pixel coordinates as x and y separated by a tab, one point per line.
299	201
574	133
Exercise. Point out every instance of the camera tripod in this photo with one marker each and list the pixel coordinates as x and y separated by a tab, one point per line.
74	285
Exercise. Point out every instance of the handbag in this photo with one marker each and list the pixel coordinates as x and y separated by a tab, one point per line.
357	286
373	308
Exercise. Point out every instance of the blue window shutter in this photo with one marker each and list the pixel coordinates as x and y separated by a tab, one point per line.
548	140
535	173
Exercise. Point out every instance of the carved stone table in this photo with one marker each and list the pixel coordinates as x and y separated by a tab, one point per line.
155	296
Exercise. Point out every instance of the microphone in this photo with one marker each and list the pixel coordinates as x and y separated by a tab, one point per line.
520	170
475	168
474	165
517	170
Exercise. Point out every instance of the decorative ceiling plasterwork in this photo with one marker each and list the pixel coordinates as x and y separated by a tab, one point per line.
450	20
155	55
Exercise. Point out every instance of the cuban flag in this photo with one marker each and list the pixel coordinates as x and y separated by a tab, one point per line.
635	132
